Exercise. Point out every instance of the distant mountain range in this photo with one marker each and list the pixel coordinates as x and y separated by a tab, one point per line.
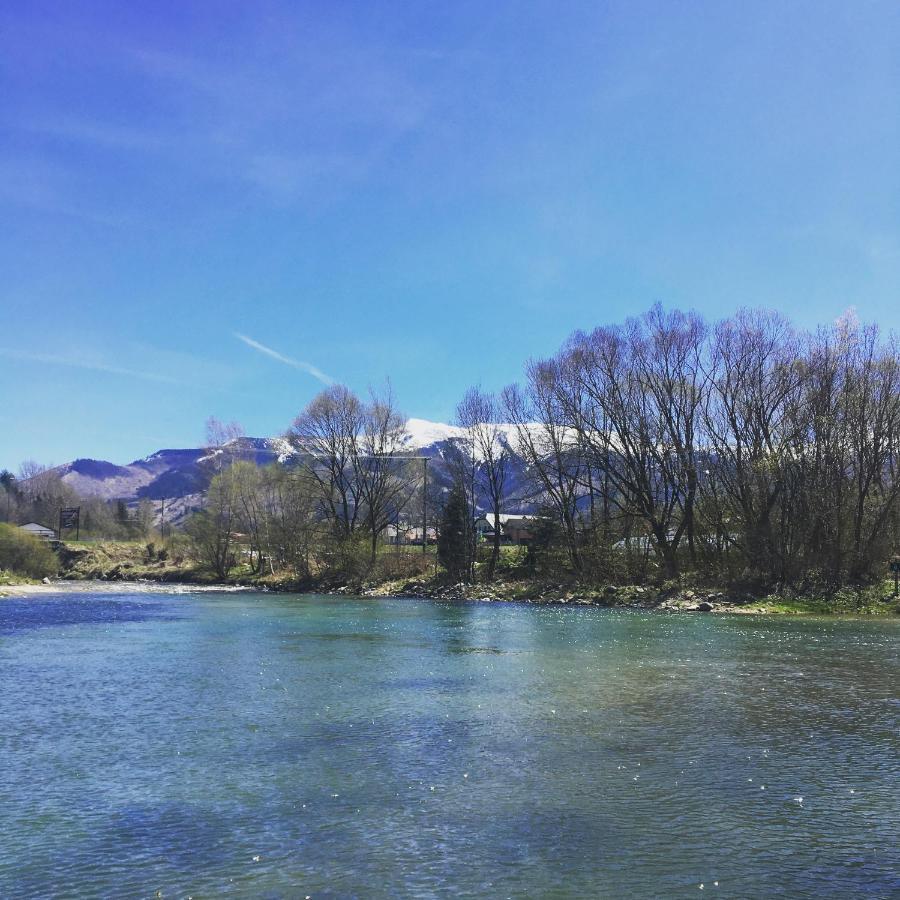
179	477
164	475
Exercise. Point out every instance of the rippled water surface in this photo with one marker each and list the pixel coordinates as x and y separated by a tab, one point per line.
259	745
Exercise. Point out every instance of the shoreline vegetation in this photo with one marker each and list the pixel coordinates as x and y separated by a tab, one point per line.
109	566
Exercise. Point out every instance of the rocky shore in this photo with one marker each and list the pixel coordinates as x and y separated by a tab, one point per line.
676	599
665	599
630	597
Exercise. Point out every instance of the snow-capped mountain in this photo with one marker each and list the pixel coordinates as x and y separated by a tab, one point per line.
166	474
183	475
423	433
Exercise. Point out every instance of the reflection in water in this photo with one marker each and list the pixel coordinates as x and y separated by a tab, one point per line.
266	745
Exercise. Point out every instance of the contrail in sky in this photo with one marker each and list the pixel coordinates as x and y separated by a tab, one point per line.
88	364
309	368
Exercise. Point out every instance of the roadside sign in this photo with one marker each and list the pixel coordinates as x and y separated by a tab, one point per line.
70	517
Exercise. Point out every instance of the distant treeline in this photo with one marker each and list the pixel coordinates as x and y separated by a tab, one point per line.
324	510
744	451
38	493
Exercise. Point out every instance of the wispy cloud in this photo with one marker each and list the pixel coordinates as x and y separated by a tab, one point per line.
90	365
96	132
48	188
217	124
309	368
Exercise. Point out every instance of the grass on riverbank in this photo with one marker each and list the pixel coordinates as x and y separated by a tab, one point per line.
876	600
127	561
415	574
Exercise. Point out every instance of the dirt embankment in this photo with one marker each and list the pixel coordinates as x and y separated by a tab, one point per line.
124	561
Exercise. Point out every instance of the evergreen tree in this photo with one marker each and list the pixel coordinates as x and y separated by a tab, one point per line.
453	541
8	494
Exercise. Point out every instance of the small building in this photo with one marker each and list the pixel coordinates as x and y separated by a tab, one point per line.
410	535
35	529
515	528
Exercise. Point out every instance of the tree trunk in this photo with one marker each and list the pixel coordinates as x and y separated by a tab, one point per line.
495	550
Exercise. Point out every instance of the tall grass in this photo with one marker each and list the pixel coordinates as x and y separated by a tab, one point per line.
24	554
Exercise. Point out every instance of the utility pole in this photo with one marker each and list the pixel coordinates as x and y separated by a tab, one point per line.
424	504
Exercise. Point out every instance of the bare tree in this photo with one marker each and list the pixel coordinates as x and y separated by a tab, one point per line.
642	388
872	410
326	437
754	382
42	492
222	444
213	528
546	439
842	493
355	455
479	414
386	480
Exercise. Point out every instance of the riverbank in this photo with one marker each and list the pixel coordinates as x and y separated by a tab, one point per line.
868	603
11	581
68	586
113	565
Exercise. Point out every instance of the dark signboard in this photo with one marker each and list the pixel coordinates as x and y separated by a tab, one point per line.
70	517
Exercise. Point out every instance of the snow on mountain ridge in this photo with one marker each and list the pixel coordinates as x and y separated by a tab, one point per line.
173	473
423	433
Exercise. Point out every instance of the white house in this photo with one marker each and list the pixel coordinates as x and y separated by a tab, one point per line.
515	528
39	531
409	534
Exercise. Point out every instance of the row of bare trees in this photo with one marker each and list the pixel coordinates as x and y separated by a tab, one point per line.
356	456
260	517
744	448
346	476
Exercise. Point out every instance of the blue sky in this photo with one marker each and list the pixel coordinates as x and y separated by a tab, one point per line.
215	208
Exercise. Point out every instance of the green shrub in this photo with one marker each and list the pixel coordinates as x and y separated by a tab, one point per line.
24	554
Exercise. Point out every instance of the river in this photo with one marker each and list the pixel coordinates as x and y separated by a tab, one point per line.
264	745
